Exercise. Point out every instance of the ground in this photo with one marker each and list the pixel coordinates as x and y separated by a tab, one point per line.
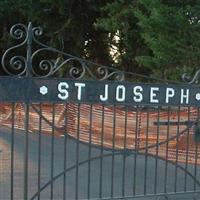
117	175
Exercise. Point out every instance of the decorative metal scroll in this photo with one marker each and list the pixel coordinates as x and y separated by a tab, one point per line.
191	80
36	59
40	60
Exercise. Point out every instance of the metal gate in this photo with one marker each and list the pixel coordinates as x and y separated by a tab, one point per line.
94	134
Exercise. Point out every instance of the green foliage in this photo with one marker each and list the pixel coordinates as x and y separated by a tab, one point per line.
159	37
120	21
172	32
68	25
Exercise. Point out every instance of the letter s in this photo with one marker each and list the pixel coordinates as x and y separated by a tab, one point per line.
62	88
137	91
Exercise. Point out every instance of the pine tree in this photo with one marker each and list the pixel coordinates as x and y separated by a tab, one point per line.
171	30
120	21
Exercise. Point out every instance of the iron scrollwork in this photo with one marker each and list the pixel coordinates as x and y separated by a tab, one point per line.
191	80
17	64
40	60
21	65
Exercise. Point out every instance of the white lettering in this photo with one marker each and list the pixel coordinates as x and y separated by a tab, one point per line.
123	92
105	97
80	86
62	88
184	96
152	95
169	94
138	97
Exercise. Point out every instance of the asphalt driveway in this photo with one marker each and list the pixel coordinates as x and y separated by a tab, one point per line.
107	176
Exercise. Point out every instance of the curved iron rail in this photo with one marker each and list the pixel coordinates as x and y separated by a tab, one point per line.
107	155
119	152
138	149
23	65
191	80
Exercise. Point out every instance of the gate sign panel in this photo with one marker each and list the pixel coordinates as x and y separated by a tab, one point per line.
80	91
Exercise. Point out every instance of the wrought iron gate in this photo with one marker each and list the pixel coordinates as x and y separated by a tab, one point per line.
94	134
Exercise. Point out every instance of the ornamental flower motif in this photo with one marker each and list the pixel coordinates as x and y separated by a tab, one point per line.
198	96
43	90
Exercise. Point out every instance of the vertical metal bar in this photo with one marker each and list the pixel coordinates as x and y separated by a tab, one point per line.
157	149
65	149
196	152
177	149
187	149
167	151
39	148
124	153
26	151
195	166
89	152
77	153
135	154
146	153
52	149
101	153
113	150
12	153
29	50
28	74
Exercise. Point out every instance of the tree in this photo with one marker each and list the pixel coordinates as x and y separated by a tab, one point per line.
68	25
159	37
125	40
171	30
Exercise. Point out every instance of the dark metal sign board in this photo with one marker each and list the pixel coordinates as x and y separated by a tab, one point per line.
105	92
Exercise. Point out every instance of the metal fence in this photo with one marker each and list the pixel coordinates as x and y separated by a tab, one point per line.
72	138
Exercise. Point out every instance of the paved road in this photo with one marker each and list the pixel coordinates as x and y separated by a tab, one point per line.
112	173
